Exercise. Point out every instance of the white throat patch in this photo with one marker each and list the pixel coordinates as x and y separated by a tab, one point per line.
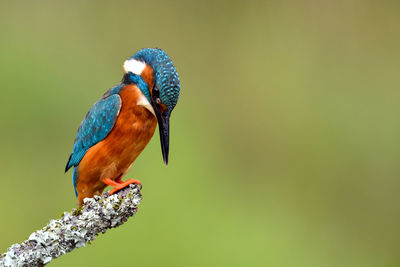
142	101
134	66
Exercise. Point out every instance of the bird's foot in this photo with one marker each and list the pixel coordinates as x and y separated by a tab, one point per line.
118	184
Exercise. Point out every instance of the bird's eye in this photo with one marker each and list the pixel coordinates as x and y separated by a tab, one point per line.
158	100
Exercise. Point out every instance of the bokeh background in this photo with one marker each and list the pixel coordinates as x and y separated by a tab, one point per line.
285	143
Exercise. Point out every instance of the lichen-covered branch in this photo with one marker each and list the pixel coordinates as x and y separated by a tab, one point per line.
74	229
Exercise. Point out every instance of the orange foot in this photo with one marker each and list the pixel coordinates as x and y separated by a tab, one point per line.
118	184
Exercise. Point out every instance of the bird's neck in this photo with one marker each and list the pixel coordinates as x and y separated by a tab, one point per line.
144	81
133	97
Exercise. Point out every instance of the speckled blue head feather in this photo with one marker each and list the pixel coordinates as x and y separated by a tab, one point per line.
166	77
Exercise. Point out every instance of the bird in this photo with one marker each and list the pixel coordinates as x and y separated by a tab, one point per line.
121	123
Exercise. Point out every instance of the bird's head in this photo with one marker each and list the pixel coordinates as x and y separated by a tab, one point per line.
155	68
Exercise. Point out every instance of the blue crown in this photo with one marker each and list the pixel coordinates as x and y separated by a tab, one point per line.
166	78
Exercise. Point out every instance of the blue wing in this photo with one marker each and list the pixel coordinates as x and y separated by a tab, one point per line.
95	127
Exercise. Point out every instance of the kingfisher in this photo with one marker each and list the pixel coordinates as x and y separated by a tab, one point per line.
121	123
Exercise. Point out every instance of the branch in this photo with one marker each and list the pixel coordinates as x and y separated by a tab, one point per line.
75	228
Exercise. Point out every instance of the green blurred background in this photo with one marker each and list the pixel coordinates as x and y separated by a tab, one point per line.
285	143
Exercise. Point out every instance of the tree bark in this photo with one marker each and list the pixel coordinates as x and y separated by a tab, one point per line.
74	229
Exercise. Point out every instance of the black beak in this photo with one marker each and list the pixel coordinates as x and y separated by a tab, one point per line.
163	126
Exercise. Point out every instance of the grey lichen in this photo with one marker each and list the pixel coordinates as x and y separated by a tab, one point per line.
74	229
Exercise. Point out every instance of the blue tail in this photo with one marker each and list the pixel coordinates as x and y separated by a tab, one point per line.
75	179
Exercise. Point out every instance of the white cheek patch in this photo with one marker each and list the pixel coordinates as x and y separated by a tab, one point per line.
142	101
134	66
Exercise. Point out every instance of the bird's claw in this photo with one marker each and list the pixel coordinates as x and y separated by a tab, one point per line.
119	184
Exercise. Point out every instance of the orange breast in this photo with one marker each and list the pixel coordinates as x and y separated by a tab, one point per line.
113	156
